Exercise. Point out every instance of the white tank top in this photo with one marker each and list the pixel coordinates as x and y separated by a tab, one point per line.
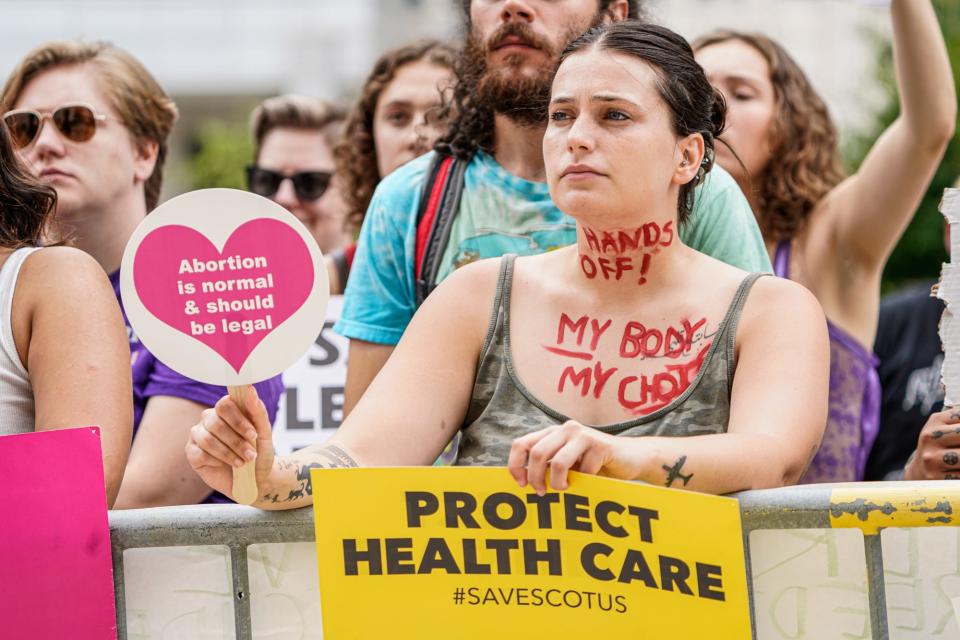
16	395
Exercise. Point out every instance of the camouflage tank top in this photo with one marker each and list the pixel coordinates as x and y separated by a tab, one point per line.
502	408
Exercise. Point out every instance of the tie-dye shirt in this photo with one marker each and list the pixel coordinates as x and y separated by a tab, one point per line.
500	214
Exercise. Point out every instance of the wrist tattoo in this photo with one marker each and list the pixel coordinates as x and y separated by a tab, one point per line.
674	472
339	457
335	458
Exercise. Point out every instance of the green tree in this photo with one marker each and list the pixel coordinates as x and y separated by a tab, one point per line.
920	252
222	151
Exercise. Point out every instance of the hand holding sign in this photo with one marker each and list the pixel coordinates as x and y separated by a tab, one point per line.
238	434
227	288
433	551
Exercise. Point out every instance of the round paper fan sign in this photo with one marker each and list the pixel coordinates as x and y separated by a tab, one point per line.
224	286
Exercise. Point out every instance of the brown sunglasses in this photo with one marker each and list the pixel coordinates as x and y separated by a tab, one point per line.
77	122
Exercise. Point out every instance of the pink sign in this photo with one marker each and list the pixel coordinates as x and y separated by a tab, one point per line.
229	300
56	576
224	286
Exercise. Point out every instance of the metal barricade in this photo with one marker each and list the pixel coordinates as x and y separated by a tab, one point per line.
870	507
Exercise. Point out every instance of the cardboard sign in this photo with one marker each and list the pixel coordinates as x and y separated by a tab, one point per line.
948	290
464	553
56	574
311	407
224	286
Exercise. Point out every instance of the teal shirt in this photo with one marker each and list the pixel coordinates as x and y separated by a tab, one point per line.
499	214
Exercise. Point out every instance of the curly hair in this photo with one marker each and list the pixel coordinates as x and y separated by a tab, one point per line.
356	154
143	106
804	162
25	203
471	125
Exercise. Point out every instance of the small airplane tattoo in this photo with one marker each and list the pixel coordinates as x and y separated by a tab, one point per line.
674	472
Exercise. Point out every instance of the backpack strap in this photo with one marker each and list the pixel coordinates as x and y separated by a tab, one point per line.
439	203
342	259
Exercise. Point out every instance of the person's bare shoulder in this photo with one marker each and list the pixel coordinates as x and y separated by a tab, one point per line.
469	282
63	276
783	306
58	261
467	294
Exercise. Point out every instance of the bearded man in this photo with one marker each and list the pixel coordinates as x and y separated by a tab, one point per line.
500	115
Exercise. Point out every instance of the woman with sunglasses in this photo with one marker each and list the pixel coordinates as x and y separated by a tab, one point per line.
91	122
294	137
63	352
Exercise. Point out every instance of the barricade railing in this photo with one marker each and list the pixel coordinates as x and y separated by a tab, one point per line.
870	507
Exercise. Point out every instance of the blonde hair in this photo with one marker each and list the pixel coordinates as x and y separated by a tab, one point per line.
296	112
142	105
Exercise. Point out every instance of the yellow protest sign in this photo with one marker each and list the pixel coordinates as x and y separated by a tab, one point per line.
465	553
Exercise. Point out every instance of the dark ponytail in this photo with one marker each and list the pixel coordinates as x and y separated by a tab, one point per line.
25	203
695	106
718	113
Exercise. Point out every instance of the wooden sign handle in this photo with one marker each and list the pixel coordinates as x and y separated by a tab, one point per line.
244	478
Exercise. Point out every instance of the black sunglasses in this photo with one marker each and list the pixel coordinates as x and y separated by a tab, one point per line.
308	185
77	122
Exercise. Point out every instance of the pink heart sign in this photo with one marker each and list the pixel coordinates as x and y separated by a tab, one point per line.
231	299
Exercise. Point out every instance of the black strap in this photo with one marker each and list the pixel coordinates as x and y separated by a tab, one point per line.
339	257
442	222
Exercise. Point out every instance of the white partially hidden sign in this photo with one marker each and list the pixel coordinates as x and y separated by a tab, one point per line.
311	407
227	288
948	290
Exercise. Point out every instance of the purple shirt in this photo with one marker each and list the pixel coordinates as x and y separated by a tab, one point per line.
153	378
853	419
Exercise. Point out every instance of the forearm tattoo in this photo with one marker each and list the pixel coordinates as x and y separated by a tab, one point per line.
339	457
674	472
333	458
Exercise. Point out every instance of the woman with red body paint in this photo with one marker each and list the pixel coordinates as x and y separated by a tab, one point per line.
628	330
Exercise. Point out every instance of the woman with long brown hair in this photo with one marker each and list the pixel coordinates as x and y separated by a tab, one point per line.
827	231
64	360
400	114
715	388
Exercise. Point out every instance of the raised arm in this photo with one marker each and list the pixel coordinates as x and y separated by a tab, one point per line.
410	412
871	209
778	410
75	348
